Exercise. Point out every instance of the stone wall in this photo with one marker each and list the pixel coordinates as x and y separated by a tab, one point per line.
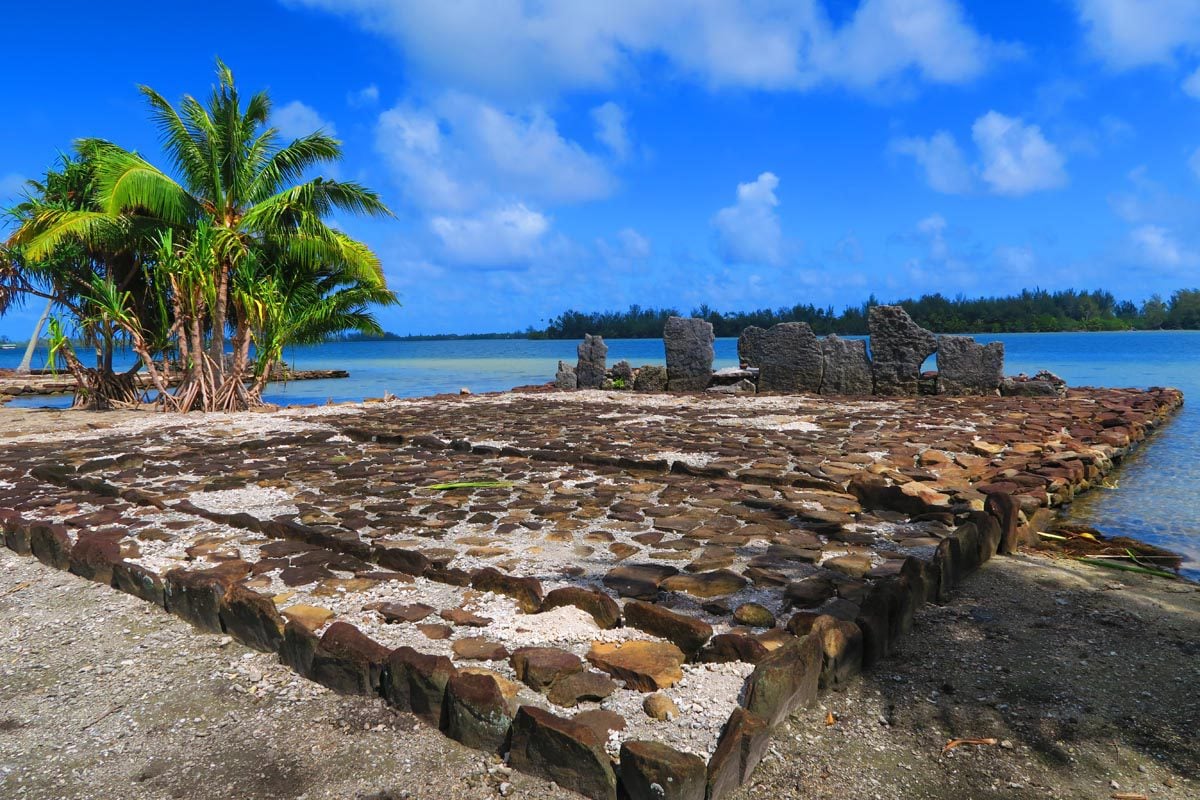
788	358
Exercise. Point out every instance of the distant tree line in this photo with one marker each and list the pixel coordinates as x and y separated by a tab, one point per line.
388	336
1030	311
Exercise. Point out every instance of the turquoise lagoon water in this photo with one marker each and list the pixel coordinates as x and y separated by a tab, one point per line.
1157	496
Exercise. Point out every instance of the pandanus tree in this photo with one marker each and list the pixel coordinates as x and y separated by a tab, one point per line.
85	247
238	222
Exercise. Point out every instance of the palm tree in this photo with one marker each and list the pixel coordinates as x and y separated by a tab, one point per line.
239	206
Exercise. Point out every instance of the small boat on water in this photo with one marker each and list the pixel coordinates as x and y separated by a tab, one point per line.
8	346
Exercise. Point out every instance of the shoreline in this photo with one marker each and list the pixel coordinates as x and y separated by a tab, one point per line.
840	509
41	383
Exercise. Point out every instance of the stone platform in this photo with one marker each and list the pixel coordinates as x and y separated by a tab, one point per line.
628	589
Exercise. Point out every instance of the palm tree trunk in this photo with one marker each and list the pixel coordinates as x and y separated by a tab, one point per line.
27	359
217	346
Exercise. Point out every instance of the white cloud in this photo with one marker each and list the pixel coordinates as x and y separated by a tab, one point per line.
411	142
1159	248
522	49
364	97
297	119
749	232
933	228
1015	260
944	256
634	244
848	250
1130	33
946	168
1191	84
529	154
885	38
496	238
1016	158
611	128
463	153
629	249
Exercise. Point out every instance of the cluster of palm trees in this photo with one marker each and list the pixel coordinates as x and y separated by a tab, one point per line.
205	272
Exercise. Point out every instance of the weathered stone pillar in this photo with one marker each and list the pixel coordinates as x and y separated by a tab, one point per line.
899	347
967	367
847	368
790	359
689	345
593	355
750	346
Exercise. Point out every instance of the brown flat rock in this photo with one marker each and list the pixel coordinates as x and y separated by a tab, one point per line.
638	580
538	667
433	630
570	690
717	583
855	565
459	616
400	612
643	666
311	617
601	722
604	609
687	632
478	648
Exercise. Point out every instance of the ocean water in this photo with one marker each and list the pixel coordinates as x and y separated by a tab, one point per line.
1156	495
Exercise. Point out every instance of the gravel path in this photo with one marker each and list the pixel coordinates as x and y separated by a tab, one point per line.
1088	684
104	696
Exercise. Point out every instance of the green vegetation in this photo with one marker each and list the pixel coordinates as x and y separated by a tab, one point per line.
205	273
446	487
1029	311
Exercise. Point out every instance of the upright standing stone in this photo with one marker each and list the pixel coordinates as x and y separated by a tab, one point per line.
847	368
899	347
565	378
750	346
790	359
689	345
593	355
967	367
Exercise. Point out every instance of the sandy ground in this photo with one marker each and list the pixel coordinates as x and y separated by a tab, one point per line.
1089	684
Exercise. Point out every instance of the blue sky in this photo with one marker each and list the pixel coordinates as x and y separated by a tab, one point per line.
554	154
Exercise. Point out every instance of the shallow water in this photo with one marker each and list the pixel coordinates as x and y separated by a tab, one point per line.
1156	500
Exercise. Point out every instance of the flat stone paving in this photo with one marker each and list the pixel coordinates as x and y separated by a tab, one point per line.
753	548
